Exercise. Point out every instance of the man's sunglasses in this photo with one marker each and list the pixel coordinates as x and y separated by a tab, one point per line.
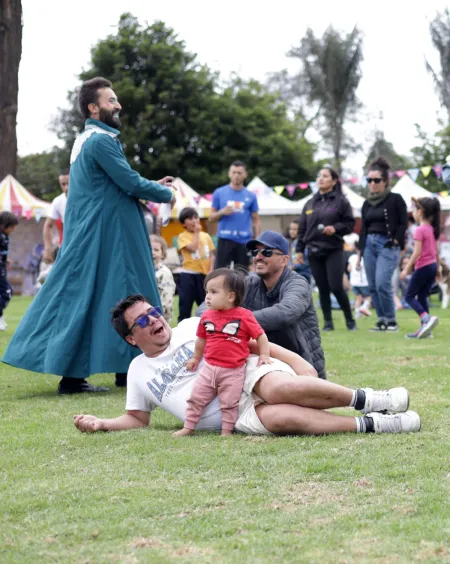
143	320
376	180
265	252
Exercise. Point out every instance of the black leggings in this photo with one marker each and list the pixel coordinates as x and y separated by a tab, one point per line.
328	272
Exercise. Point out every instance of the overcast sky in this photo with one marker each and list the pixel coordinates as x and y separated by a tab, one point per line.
247	36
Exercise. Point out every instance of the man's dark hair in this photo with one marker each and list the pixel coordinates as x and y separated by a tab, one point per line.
89	93
237	163
118	313
234	281
187	213
7	219
64	172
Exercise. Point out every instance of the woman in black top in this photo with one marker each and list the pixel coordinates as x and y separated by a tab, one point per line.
325	219
383	225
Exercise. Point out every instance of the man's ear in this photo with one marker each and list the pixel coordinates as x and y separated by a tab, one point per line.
93	108
285	260
129	339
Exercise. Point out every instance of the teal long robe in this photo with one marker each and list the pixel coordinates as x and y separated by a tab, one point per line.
104	257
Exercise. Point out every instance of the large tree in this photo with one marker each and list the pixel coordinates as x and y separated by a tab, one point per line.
440	36
330	75
10	54
177	119
39	172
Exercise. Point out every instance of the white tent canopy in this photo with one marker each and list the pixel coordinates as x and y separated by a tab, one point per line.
356	201
409	189
269	202
188	197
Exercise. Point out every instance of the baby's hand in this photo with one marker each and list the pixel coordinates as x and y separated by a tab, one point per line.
264	359
192	364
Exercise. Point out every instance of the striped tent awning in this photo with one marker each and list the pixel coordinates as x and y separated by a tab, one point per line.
16	199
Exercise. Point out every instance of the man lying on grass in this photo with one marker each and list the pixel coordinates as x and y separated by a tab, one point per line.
283	398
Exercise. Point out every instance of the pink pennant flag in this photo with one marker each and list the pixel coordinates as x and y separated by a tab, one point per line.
353	180
391	175
400	173
28	214
303	186
197	199
291	189
438	170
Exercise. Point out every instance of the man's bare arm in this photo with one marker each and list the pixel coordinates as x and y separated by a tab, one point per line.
130	420
48	240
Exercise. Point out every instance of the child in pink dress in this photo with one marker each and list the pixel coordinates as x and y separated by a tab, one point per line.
223	335
424	260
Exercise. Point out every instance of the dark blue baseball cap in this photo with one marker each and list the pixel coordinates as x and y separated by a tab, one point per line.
271	240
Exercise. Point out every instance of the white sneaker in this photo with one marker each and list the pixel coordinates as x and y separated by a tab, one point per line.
393	400
365	311
427	327
408	422
3	325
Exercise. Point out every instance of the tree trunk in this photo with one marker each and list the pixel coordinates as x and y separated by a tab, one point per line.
10	54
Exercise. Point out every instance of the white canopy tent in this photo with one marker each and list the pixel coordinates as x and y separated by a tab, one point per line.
409	189
356	201
269	202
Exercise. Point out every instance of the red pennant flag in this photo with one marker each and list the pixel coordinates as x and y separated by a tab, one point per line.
291	189
400	173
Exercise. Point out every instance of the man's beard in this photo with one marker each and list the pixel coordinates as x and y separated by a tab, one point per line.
108	118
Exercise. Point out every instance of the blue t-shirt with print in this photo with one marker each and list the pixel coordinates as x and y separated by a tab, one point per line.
237	226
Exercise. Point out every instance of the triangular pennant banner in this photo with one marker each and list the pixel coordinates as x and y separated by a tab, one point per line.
28	214
278	189
37	214
400	173
425	170
391	175
197	199
291	189
444	194
314	187
438	170
413	173
363	182
353	180
303	186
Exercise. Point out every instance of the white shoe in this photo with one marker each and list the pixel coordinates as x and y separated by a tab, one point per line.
393	400
408	422
427	327
3	325
365	311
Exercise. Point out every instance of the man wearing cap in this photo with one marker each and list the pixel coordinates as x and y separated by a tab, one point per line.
281	300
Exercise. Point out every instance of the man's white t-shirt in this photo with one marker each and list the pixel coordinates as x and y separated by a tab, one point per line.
357	277
58	209
164	381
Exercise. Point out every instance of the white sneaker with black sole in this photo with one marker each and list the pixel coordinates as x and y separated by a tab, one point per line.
427	327
407	422
394	400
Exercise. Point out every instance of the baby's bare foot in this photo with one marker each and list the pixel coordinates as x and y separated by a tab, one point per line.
226	433
183	433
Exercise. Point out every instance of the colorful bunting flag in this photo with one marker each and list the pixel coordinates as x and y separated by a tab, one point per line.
400	173
314	187
444	194
413	173
303	186
438	170
28	214
291	189
425	170
278	190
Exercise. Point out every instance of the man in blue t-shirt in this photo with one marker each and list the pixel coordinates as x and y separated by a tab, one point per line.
236	210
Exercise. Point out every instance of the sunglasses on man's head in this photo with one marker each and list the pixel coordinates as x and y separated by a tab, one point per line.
376	180
265	252
143	320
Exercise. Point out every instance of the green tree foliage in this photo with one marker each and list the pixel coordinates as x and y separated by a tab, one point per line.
382	148
176	119
431	150
39	172
440	36
330	75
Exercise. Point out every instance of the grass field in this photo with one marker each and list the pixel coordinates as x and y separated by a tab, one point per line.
141	496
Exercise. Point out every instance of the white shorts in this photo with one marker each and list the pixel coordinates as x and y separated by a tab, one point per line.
248	421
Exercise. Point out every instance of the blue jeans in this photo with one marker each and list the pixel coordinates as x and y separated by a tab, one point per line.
380	263
419	288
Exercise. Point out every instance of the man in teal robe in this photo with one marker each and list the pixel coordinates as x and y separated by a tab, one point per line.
105	255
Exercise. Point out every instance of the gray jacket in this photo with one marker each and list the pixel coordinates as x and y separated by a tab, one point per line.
287	315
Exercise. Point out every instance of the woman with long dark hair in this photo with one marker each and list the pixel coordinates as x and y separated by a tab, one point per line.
325	219
384	221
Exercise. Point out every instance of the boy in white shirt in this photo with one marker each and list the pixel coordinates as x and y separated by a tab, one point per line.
359	284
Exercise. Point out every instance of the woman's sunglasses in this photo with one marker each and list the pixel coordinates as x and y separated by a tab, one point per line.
265	252
143	320
376	180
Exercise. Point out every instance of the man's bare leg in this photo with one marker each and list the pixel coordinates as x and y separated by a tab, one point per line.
288	419
305	391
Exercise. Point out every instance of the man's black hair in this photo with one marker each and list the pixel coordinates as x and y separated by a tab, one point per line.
238	163
118	313
89	93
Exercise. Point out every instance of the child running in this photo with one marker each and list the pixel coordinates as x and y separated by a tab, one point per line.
424	259
8	222
223	335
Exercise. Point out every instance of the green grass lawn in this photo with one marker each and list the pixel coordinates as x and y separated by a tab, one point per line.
141	496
